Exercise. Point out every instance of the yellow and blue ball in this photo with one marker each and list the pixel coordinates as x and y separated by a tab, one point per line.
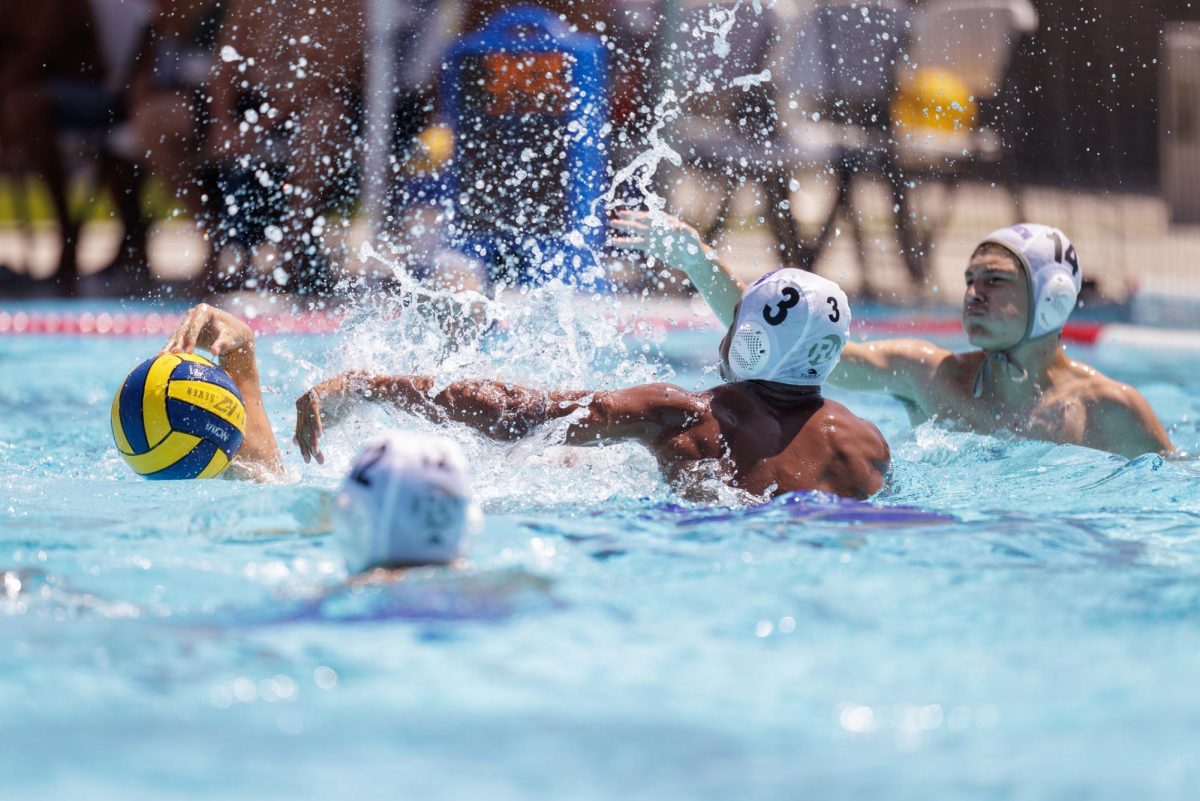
178	415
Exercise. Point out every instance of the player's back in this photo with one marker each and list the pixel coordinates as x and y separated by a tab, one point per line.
768	445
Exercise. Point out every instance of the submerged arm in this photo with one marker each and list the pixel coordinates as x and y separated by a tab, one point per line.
498	410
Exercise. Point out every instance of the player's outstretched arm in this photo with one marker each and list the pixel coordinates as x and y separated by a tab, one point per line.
892	366
498	410
674	242
232	342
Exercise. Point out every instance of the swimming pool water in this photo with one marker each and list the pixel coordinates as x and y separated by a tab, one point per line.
166	640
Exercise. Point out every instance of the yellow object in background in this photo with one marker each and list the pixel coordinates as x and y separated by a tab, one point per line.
934	98
434	148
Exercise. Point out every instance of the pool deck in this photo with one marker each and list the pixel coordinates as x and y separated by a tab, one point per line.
1126	242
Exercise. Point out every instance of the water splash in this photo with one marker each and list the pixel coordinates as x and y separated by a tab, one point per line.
543	337
719	23
712	30
642	169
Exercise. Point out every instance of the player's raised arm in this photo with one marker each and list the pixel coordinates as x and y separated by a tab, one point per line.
679	245
232	342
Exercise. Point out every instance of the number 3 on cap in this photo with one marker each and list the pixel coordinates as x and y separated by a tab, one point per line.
791	298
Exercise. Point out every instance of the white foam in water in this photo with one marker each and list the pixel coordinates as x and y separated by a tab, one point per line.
549	337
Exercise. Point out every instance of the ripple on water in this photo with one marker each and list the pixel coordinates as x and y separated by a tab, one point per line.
1038	595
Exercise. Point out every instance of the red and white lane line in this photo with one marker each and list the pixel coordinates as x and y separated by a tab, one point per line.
1119	340
151	323
1076	333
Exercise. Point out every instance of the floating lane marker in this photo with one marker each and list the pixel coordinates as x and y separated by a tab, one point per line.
1082	333
1078	333
151	324
155	324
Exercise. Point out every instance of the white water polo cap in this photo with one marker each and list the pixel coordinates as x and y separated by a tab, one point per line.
791	327
1052	267
406	501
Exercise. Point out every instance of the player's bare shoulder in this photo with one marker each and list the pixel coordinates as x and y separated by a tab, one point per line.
1093	388
959	368
845	430
948	380
903	368
1119	418
860	456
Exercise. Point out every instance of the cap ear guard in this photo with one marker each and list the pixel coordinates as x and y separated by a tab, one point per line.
749	350
1054	304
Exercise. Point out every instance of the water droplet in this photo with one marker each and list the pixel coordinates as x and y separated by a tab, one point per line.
856	718
325	677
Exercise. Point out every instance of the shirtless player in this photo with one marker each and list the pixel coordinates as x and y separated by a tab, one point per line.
768	430
1022	284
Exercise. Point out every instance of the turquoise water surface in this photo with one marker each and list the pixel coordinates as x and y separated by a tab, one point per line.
1035	635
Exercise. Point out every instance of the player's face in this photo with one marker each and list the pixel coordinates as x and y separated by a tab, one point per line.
996	303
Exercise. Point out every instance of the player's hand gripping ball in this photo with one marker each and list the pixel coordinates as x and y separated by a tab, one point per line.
178	415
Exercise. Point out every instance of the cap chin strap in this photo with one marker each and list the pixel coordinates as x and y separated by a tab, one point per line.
983	376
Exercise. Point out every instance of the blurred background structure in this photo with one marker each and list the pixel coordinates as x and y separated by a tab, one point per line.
224	144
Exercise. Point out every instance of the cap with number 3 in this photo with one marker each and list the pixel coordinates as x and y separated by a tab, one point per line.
791	327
